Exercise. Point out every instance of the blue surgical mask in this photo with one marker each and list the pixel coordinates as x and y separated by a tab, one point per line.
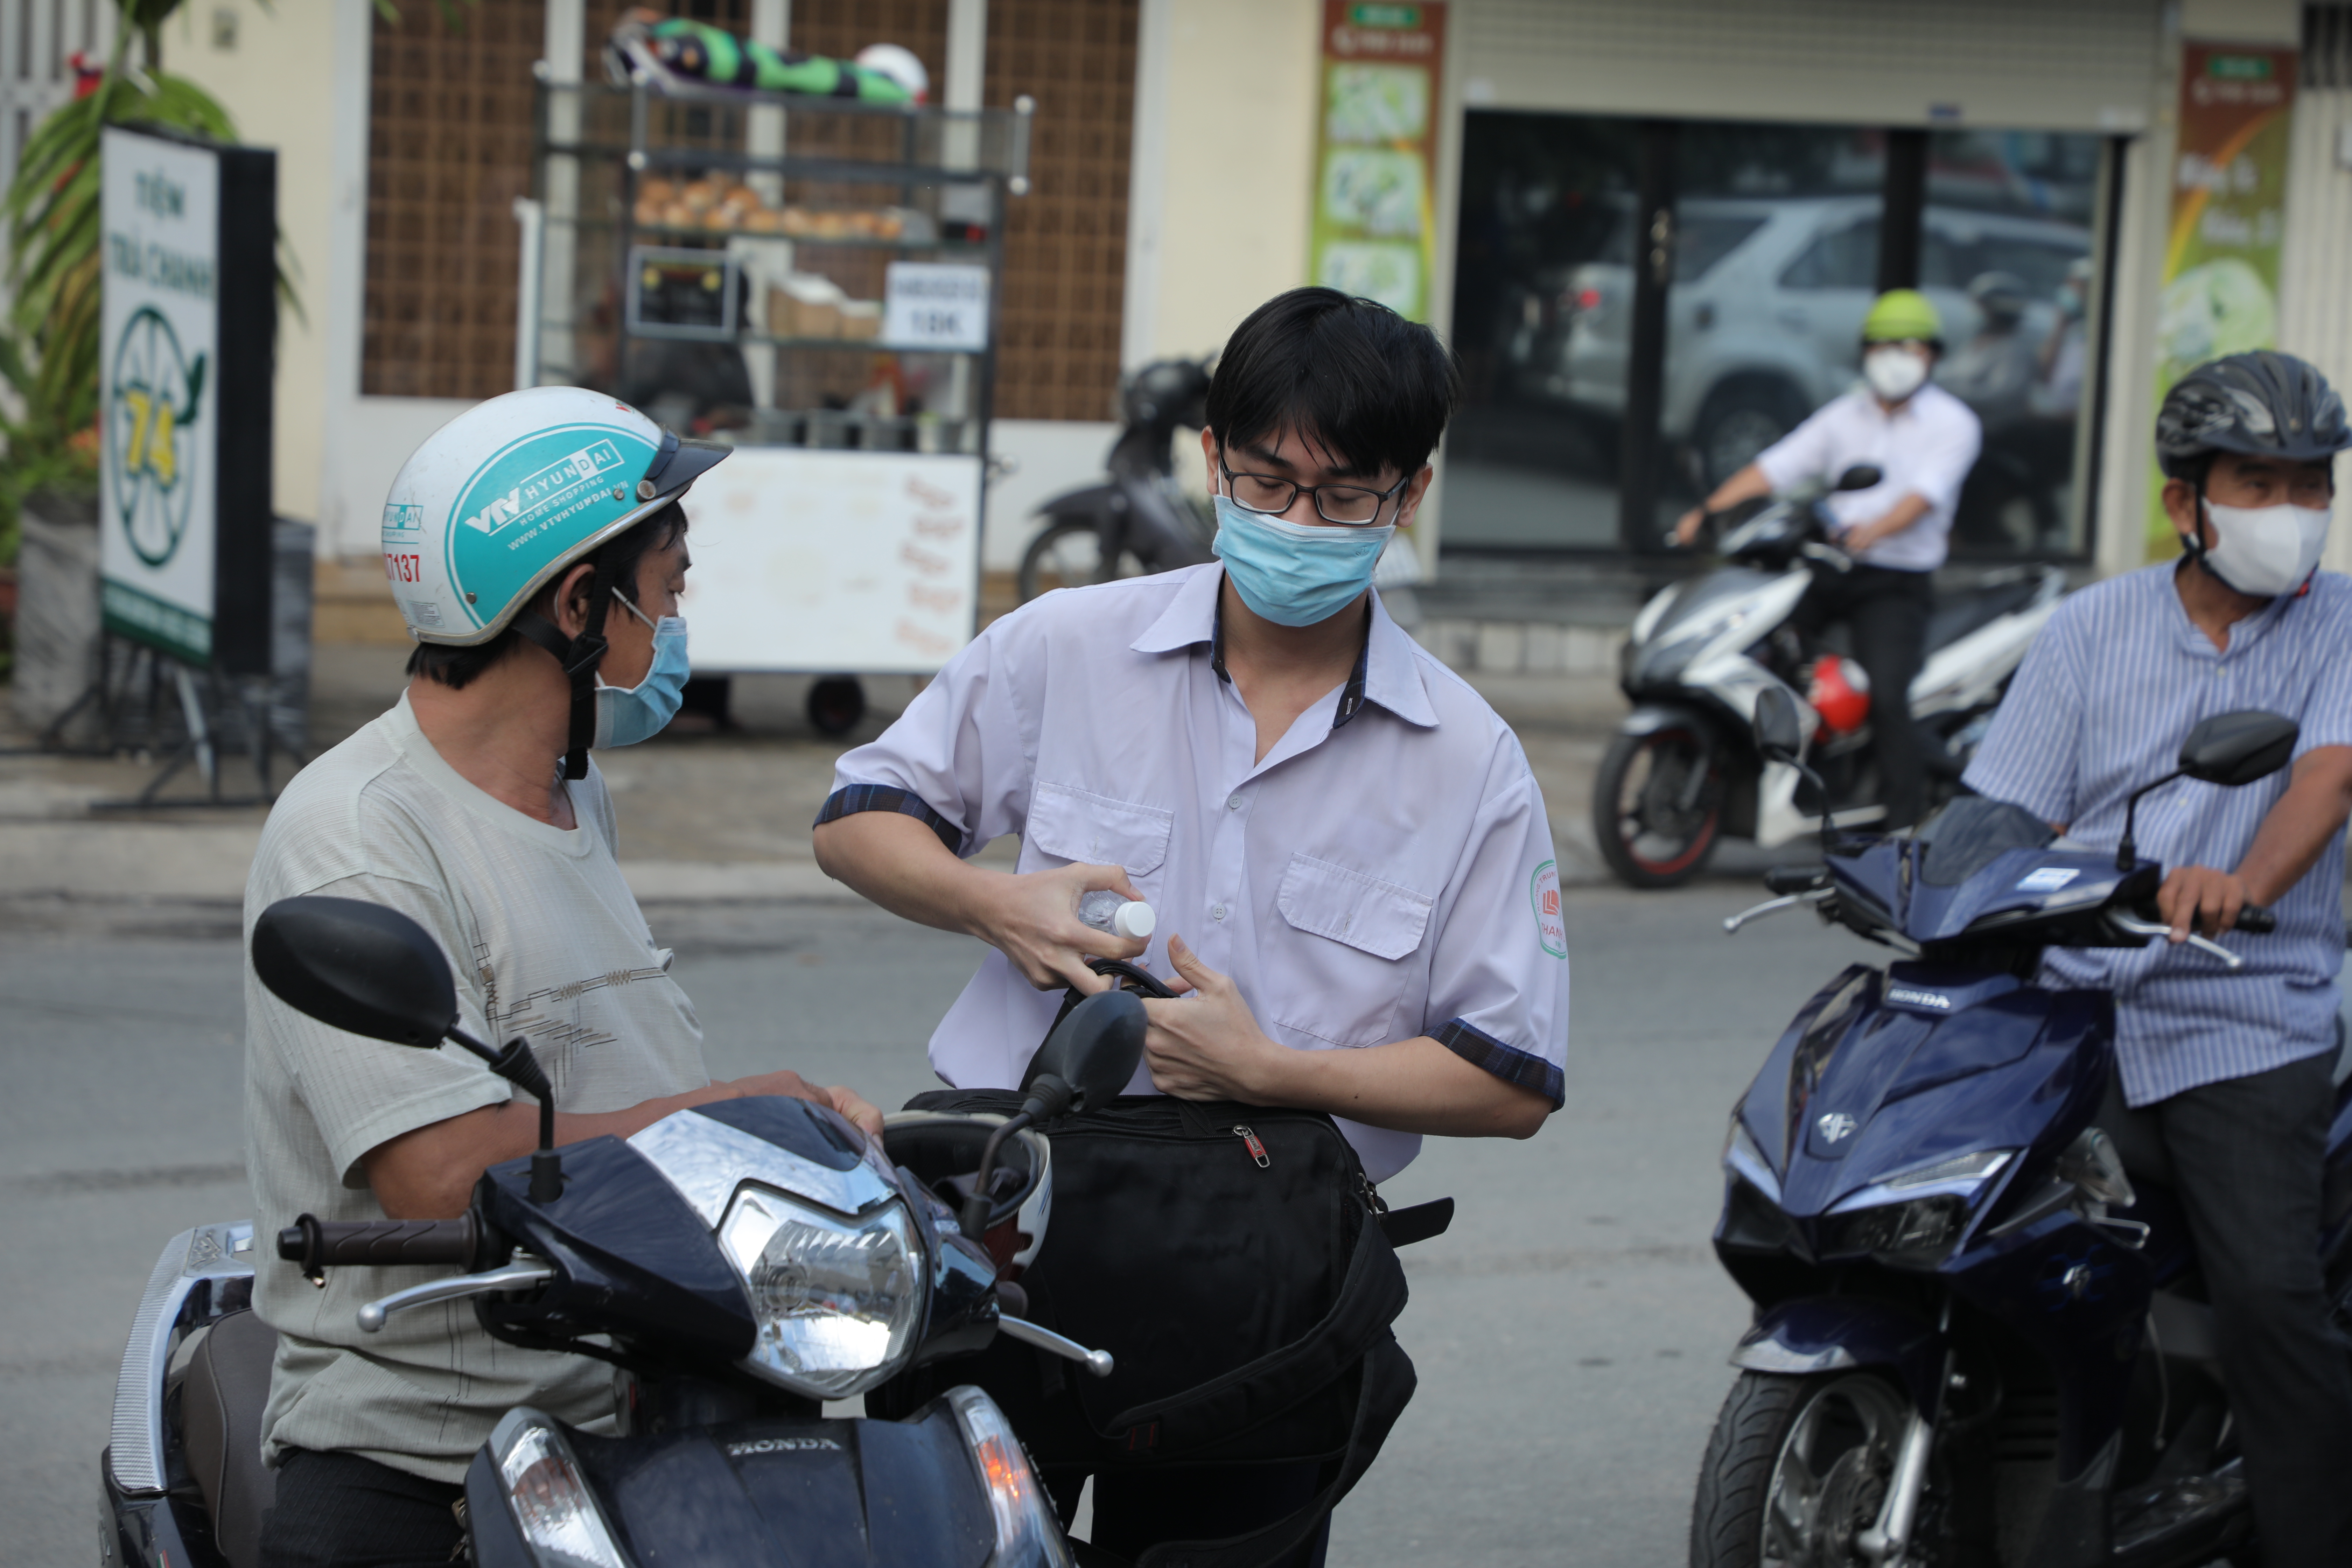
1295	574
627	714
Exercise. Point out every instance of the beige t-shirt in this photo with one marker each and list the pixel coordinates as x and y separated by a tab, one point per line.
548	942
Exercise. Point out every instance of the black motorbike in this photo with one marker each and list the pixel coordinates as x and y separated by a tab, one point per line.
738	1264
1138	521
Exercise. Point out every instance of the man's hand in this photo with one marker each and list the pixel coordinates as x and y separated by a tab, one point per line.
1033	920
1906	510
2198	898
1208	1046
861	1116
1687	529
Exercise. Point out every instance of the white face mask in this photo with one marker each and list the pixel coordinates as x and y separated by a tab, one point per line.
2265	551
1894	372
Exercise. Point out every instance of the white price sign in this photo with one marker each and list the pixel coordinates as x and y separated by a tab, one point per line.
935	305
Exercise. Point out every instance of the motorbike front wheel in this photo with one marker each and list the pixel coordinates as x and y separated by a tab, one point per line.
1796	1470
1067	553
1657	807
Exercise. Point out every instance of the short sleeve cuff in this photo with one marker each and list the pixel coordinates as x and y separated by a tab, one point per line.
854	799
1510	1063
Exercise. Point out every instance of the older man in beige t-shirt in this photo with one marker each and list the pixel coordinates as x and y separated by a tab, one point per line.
453	809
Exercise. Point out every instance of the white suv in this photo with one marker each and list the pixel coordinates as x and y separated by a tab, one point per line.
1764	319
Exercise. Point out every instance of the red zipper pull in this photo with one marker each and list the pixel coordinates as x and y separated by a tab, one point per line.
1257	1148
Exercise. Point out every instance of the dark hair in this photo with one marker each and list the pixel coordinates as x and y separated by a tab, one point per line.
1351	375
619	556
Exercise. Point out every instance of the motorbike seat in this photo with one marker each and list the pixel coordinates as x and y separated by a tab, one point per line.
221	1401
1967	610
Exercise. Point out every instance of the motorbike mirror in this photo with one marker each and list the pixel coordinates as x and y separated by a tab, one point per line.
1779	735
2232	749
1094	1050
356	966
1861	477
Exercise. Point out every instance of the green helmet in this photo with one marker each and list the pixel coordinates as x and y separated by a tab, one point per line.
1902	315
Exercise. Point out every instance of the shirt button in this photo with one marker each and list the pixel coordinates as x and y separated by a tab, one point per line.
1233	804
1217	913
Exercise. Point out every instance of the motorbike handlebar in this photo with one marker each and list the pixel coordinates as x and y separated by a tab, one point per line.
318	1244
2252	919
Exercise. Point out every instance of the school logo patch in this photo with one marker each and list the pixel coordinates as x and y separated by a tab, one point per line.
1543	892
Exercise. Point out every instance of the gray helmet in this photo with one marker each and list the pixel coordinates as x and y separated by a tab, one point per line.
2260	405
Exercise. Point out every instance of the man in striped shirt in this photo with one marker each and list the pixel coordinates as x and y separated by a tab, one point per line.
2233	1068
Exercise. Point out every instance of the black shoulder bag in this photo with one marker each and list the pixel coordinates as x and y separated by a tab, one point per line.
1241	1269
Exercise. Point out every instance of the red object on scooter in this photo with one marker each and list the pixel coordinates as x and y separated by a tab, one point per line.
1842	707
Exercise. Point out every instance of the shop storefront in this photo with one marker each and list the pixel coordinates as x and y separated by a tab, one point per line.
1671	219
1603	400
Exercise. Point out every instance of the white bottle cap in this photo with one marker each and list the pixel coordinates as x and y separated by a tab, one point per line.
1135	922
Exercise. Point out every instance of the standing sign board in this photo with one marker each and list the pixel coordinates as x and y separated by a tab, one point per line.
2229	219
818	561
1375	232
184	351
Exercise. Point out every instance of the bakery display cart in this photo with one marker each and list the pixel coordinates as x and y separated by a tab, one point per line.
814	280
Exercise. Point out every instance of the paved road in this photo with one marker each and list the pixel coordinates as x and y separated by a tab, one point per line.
1569	1332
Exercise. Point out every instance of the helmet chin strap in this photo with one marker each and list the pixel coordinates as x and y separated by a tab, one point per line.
2192	544
579	656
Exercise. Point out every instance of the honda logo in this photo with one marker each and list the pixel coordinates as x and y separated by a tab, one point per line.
1836	1126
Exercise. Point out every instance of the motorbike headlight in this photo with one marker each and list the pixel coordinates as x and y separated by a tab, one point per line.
837	1301
1028	1534
548	1497
1917	1233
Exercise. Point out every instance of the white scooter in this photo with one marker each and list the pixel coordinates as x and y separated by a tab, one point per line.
1683	771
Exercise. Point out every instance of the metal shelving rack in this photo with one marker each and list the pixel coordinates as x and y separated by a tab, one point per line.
634	282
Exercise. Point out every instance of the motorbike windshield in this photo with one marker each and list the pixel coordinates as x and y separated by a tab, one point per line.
1973	832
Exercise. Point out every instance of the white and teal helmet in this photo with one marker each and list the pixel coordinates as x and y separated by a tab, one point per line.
502	498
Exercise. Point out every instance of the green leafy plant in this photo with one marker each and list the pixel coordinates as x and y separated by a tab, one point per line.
49	355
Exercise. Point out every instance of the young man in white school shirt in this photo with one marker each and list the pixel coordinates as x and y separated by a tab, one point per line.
1348	854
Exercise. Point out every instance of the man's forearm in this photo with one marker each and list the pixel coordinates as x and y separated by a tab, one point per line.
1905	512
2310	814
1746	485
896	861
429	1173
1410	1086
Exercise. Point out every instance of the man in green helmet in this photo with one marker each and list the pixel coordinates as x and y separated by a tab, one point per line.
1923	440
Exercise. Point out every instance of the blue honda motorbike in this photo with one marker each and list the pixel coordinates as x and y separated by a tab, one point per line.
1981	1333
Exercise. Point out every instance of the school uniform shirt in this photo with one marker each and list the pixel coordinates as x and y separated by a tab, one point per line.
545	940
2111	688
1385	872
1924	447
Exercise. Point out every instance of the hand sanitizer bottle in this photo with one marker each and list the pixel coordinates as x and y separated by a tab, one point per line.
1107	911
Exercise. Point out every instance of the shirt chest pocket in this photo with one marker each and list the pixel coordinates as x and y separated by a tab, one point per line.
1348	957
1077	825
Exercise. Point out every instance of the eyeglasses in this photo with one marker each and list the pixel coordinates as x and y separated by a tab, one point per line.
1349	506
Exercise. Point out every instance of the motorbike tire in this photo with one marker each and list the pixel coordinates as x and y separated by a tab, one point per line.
1041	569
1693	843
1767	1426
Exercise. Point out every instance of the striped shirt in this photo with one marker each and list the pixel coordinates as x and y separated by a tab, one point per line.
2113	684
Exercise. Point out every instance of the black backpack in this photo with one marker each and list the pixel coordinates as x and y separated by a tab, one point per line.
1266	1263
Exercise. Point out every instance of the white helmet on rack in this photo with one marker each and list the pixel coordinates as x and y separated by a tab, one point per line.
899	63
499	500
